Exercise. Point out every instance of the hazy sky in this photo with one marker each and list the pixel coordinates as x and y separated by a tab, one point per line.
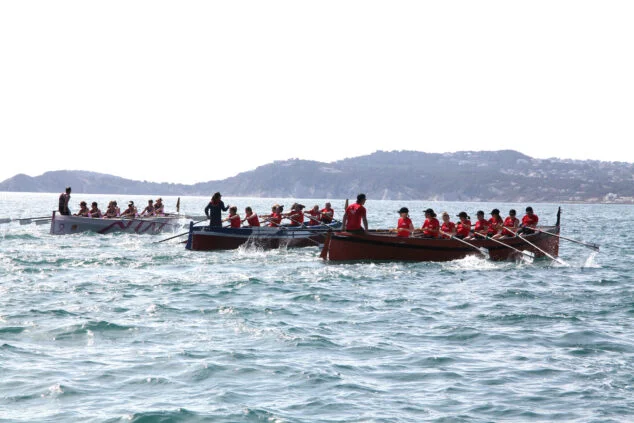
200	90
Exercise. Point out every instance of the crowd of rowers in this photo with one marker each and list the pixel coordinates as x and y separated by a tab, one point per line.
494	227
295	217
354	219
153	208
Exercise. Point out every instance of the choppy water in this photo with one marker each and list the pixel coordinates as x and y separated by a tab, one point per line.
119	328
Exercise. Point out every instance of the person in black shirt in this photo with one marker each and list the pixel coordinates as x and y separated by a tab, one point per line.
214	209
64	198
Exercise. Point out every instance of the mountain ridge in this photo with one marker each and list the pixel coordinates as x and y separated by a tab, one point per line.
503	175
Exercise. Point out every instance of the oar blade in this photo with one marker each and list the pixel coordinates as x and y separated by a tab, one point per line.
5	220
42	222
25	221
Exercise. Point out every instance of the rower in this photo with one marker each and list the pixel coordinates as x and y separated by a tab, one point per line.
251	218
431	226
404	227
233	218
529	222
448	228
149	210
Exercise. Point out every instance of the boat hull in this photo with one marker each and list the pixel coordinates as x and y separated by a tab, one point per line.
204	238
377	246
65	225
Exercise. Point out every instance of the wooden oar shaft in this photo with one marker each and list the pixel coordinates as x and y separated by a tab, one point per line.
550	256
501	243
464	242
592	246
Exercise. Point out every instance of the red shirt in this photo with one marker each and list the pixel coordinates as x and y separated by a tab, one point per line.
510	222
481	226
253	220
448	227
234	221
494	225
296	217
325	217
314	217
275	219
463	229
354	216
430	227
530	221
404	225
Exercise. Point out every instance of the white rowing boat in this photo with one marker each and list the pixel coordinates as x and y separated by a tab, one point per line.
64	225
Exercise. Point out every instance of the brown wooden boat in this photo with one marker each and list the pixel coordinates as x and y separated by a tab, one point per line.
386	246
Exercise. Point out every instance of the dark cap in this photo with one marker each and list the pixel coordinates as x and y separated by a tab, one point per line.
495	211
404	210
529	209
430	211
463	214
480	212
300	206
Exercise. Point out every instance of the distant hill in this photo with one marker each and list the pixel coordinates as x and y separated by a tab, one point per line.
504	175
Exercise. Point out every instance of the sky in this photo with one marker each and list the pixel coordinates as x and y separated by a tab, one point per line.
194	91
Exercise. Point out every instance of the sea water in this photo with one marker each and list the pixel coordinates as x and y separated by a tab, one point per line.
122	328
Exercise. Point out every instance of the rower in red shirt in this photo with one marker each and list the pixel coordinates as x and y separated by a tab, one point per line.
431	226
495	223
405	227
327	214
463	228
233	218
529	222
510	222
481	226
296	215
275	218
251	218
355	215
448	228
313	215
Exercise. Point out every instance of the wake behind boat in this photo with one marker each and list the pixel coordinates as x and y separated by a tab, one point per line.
66	224
205	238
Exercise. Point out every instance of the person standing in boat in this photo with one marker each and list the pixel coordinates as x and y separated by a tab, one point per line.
529	222
94	210
214	210
251	218
327	214
431	226
233	218
355	215
64	198
463	228
510	222
404	227
83	210
448	228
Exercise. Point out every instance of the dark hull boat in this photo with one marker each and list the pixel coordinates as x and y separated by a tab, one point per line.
385	246
204	238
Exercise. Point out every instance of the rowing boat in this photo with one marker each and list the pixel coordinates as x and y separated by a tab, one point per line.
65	224
205	238
386	246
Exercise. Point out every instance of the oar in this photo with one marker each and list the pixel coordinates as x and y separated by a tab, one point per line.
526	255
318	221
591	245
303	226
26	220
481	250
176	236
550	256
